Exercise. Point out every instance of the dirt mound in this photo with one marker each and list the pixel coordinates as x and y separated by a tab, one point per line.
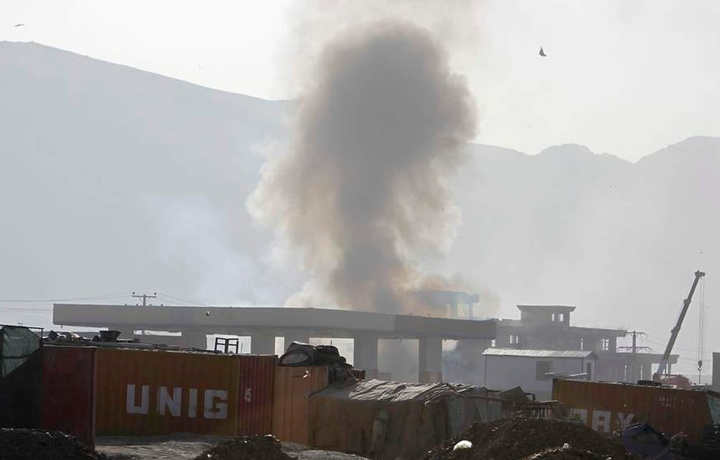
247	448
22	444
514	439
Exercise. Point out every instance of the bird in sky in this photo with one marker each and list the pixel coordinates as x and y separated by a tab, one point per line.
542	53
19	25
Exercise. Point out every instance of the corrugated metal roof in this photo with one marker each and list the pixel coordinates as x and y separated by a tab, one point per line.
539	353
548	308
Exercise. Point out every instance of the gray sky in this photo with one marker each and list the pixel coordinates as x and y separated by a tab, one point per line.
626	77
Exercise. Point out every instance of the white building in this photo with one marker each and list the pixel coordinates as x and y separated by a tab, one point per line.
533	370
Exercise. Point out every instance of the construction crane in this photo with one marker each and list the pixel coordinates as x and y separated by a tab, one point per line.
701	333
676	330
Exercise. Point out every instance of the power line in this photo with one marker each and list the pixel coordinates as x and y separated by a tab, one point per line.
144	297
182	300
100	297
168	298
659	340
635	348
165	301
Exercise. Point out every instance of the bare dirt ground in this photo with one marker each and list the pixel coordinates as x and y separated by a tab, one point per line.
179	446
189	446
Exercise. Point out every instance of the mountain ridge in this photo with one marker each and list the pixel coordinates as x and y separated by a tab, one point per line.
24	50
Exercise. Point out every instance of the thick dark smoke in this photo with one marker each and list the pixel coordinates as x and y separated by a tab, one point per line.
380	131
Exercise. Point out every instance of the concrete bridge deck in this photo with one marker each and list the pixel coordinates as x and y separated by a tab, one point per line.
263	324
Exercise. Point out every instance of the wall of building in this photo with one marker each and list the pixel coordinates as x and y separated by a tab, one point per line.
505	372
553	336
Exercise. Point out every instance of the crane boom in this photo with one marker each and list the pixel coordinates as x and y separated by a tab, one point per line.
676	330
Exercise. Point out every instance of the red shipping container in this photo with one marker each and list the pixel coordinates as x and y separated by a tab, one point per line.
68	395
606	407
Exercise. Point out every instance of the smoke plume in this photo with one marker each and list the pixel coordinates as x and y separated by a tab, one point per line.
363	190
459	24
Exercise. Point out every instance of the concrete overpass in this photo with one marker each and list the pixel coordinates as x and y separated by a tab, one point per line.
263	324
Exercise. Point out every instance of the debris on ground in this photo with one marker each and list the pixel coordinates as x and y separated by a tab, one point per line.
566	453
518	438
711	437
246	448
326	455
25	444
268	448
464	444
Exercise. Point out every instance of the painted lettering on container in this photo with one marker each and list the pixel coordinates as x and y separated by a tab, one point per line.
169	401
602	420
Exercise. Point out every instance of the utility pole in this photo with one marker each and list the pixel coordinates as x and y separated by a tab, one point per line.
144	297
634	336
635	349
634	353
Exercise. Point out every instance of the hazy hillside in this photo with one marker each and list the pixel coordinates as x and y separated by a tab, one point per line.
618	239
114	179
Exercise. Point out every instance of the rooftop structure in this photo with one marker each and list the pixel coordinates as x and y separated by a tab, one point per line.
545	313
547	327
454	304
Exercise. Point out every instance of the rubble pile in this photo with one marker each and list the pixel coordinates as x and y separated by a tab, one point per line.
518	438
24	444
711	437
246	448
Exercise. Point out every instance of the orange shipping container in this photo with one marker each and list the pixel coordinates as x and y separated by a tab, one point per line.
606	407
257	382
293	387
149	392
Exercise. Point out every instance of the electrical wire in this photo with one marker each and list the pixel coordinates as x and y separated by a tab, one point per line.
99	297
181	299
169	301
663	342
166	298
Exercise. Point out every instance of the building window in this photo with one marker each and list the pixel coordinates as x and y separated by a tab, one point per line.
542	369
582	344
514	339
605	344
492	343
558	317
